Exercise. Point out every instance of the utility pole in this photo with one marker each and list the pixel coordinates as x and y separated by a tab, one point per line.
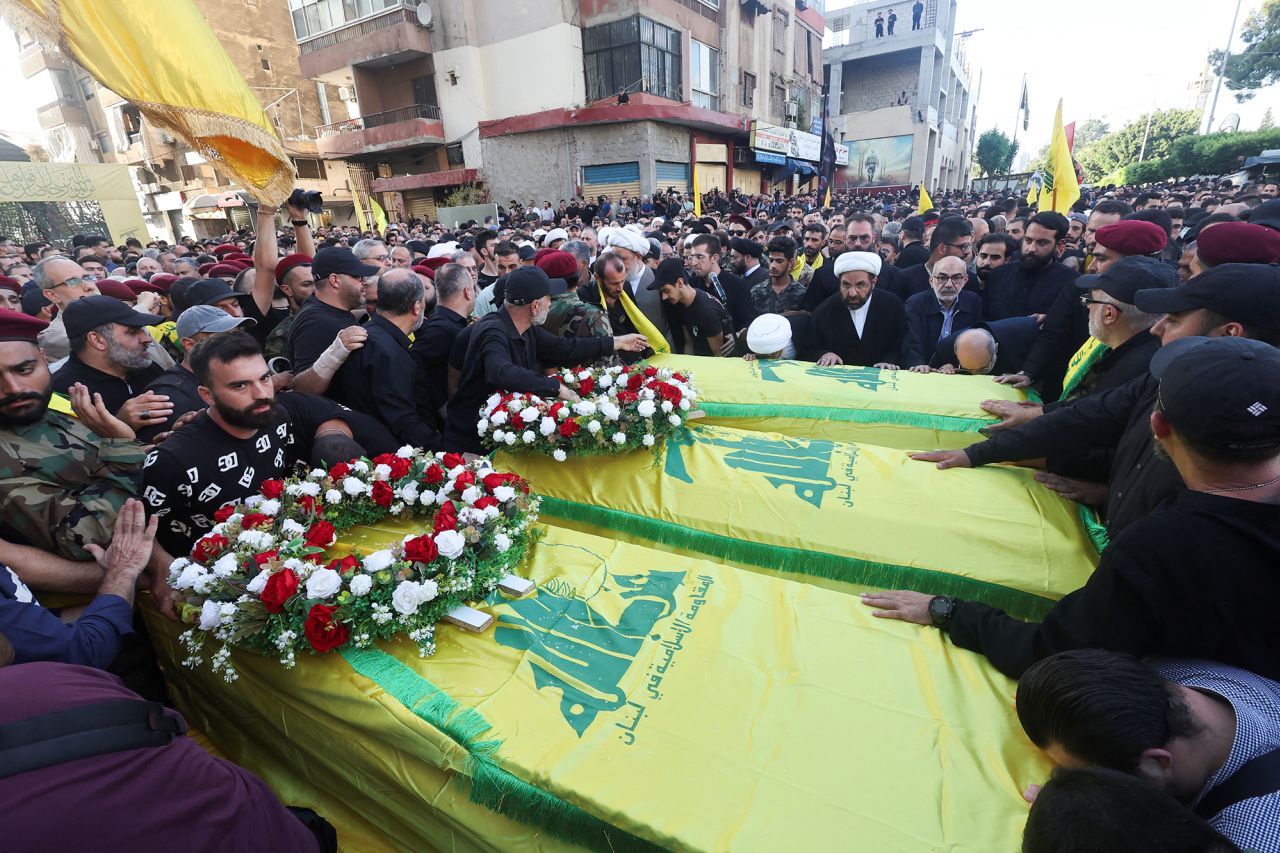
1145	134
1226	57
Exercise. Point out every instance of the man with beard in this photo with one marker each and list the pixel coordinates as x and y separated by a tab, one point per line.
813	241
700	324
506	351
858	326
1031	286
339	291
730	290
947	309
993	251
631	247
745	255
109	356
382	378
860	236
247	435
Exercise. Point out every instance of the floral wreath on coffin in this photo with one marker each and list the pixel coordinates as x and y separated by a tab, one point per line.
260	578
621	409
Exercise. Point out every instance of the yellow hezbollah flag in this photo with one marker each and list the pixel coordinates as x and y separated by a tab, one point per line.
891	408
1059	189
697	194
926	203
637	701
165	60
362	221
379	216
828	512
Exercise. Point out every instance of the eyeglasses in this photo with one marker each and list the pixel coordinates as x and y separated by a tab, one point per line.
737	233
959	278
1087	301
964	247
76	282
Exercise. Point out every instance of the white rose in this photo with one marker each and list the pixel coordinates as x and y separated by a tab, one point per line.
427	498
471	494
529	415
559	455
492	401
253	500
593	427
405	598
259	583
499	418
269	507
547	426
177	566
528	437
619	438
256	539
360	585
450	543
646	394
610	410
675	420
318	474
499	436
482	427
210	615
471	515
379	560
647	441
515	405
684	404
510	439
352	486
291	528
310	489
667	407
299	567
323	583
502	542
456	472
563	413
381	472
504	493
405	452
333	497
361	466
605	380
409	491
586	408
225	566
584	375
645	408
190	575
427	591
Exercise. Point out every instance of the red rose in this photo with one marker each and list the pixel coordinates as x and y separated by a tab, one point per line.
346	564
316	558
337	472
208	548
320	534
421	549
465	479
265	557
382	493
254	519
383	459
492	481
634	382
446	518
324	633
280	587
628	396
434	474
587	386
485	502
668	391
453	460
399	467
679	377
224	512
569	428
554	411
309	505
271	488
650	372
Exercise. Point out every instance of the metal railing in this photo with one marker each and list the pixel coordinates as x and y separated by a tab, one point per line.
378	120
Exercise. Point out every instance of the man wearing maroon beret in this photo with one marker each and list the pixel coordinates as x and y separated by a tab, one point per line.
569	316
10	293
1235	242
1125	239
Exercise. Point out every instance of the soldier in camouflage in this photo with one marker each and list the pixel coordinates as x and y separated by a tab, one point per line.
569	316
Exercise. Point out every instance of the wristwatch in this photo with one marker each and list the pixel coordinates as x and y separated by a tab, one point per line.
941	609
299	223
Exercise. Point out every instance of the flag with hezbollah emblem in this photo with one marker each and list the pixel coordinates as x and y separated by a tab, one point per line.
1058	188
164	59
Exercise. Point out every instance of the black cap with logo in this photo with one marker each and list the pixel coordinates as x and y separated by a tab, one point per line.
1222	393
341	261
668	272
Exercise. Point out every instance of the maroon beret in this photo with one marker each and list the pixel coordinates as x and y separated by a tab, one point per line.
224	249
219	270
203	269
117	289
420	269
163	280
9	283
137	285
435	263
1133	237
558	264
542	253
288	262
1237	243
16	326
237	256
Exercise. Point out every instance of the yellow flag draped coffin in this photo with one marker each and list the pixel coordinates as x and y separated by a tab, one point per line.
891	408
637	700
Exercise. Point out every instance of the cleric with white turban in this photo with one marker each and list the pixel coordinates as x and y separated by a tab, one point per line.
769	335
868	262
625	238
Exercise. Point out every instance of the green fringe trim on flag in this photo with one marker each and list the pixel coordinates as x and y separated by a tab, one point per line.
1024	605
491	786
1094	527
942	423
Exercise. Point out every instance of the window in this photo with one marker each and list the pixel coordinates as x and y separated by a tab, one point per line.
635	54
704	75
310	169
132	120
453	154
748	89
777	102
313	17
779	31
266	64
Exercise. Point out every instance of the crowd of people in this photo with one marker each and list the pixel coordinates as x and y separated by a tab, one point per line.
144	387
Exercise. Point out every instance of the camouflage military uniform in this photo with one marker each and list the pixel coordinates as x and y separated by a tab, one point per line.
278	337
570	317
61	485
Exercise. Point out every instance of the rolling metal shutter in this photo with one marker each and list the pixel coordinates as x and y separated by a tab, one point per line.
420	205
612	180
668	174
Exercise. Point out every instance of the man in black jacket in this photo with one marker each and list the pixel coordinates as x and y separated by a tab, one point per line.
946	308
506	351
858	326
952	237
1031	285
1197	577
455	298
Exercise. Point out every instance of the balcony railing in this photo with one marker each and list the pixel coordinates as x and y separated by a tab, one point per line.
378	120
357	29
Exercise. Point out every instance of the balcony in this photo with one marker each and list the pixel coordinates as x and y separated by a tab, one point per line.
381	132
60	113
389	38
33	59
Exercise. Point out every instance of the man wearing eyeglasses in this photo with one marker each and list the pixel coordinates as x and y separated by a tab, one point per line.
952	237
946	309
62	281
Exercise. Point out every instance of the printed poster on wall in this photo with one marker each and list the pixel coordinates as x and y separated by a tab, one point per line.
884	161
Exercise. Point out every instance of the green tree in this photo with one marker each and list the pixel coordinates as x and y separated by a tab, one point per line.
994	154
1113	152
1090	132
1258	65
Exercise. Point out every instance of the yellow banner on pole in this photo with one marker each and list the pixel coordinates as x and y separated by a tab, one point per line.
108	184
829	512
639	700
891	408
926	203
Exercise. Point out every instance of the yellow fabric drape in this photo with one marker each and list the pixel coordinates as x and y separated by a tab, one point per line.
1060	189
657	341
379	216
165	60
926	203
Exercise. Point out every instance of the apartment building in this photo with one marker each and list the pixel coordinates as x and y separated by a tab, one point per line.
523	96
905	104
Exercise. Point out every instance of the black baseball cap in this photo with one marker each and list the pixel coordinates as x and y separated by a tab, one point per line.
209	291
341	261
526	251
525	284
1222	393
1239	292
89	313
1128	275
667	272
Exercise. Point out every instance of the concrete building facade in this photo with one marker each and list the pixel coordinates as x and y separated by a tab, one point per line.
905	103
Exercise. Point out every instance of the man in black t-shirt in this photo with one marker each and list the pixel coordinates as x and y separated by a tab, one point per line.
109	343
247	435
698	322
339	291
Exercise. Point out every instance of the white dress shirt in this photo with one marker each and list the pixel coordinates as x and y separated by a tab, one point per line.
859	316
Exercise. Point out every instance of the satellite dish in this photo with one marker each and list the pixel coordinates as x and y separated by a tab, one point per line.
1230	124
424	15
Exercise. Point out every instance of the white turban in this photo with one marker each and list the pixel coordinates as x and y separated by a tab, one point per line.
626	239
768	333
440	250
634	226
868	262
553	235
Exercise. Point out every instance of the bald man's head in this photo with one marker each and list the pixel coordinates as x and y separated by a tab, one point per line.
976	351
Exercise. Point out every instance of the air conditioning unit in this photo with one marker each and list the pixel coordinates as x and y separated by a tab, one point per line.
743	158
791	109
345	93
